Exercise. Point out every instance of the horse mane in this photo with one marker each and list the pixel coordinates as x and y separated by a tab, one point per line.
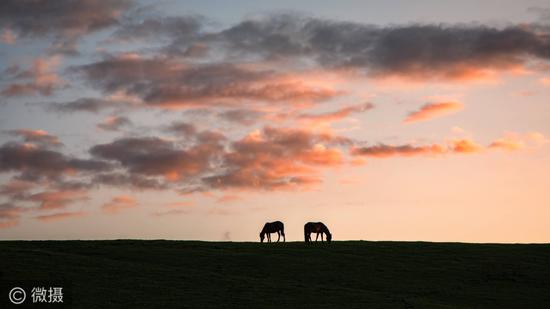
264	230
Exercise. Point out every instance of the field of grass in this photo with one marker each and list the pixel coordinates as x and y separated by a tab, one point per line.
353	274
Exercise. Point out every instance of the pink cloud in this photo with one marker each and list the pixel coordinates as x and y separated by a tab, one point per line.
60	216
8	37
39	137
40	79
433	110
228	198
58	199
118	204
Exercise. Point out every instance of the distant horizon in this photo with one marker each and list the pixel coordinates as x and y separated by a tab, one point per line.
289	241
386	121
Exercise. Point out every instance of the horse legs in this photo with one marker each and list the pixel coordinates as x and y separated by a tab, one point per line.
322	237
317	237
284	238
278	236
268	237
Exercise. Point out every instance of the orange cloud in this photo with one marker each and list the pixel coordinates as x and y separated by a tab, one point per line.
465	146
277	158
433	110
118	204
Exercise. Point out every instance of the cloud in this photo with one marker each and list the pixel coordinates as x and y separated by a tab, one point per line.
38	79
154	28
17	189
242	116
537	138
417	51
37	137
60	216
152	156
513	141
336	115
383	150
433	110
40	162
510	142
65	20
125	180
10	215
545	81
228	198
58	199
91	105
182	129
118	204
167	83
171	212
114	123
465	146
409	150
277	158
8	37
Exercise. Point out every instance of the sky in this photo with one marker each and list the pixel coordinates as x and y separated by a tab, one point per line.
202	120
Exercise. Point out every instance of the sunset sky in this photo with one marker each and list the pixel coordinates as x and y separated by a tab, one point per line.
386	120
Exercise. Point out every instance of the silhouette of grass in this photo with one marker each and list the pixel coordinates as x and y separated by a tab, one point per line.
356	274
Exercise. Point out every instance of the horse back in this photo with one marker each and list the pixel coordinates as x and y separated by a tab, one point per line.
314	227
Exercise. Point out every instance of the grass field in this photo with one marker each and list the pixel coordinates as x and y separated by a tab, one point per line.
183	274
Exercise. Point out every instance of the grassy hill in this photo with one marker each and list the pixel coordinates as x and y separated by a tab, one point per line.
183	274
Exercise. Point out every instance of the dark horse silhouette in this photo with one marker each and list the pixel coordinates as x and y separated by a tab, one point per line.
316	227
273	227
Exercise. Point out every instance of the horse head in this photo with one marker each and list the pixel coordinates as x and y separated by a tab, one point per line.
262	236
329	237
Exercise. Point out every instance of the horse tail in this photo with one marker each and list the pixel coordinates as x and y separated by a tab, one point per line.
305	234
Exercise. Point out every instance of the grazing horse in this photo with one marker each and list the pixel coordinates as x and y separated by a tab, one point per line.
316	227
273	227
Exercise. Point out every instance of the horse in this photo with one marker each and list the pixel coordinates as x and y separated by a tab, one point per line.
316	227
273	227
